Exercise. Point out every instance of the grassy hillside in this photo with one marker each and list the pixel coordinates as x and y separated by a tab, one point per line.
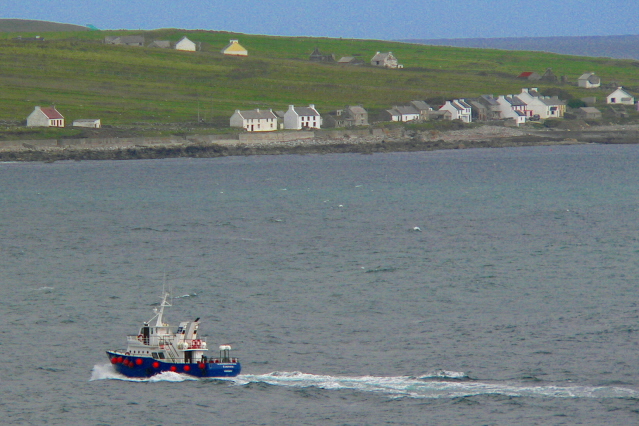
31	25
132	86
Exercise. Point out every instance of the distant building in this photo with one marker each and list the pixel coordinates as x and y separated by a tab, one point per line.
543	106
589	81
125	40
162	44
255	120
350	60
401	113
45	117
186	45
529	75
385	60
351	116
234	48
318	56
620	96
93	123
297	118
459	110
588	113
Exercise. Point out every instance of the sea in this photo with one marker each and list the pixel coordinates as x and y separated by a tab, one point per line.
456	287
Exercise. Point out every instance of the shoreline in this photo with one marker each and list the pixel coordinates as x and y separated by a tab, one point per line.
322	142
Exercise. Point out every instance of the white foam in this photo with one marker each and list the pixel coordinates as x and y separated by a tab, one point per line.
402	386
106	372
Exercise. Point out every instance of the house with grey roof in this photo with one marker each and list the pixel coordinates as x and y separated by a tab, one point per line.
588	113
512	108
318	56
92	123
423	108
255	120
589	80
350	116
162	44
350	60
385	60
459	110
401	113
297	118
486	107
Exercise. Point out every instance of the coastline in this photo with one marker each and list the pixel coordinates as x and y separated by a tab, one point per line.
318	142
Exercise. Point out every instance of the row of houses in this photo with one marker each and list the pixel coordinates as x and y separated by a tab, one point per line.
525	106
234	48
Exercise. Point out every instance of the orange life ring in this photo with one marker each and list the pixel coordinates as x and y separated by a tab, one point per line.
141	338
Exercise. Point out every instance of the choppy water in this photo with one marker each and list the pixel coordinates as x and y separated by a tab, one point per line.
514	303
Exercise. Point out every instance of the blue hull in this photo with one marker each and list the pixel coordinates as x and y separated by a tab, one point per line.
141	367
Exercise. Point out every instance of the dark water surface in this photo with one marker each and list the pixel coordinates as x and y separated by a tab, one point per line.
514	303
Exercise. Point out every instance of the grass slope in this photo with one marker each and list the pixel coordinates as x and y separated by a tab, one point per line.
132	86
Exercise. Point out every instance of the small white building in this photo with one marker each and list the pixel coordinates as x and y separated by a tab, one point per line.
185	44
298	118
511	107
93	123
234	48
255	120
45	117
385	60
402	113
589	81
620	96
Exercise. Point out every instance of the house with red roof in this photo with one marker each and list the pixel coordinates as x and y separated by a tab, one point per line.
45	117
529	75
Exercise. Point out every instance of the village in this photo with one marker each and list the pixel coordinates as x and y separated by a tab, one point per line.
530	105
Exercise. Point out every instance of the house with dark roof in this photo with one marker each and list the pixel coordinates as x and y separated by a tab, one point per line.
486	107
318	56
297	118
459	110
350	60
588	113
423	108
255	120
45	117
512	108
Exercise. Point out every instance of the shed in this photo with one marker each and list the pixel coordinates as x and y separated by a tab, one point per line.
93	123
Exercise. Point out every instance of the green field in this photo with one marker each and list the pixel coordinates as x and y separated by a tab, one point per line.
159	88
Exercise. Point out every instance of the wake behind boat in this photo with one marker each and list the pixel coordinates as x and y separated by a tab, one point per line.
160	347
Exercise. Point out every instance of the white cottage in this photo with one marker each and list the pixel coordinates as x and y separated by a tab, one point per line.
255	120
543	106
385	60
185	44
620	96
45	117
589	81
298	118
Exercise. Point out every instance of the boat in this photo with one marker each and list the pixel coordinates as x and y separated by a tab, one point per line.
159	348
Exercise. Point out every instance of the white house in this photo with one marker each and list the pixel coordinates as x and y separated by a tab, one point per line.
385	60
589	80
298	118
511	107
620	96
459	110
93	123
45	117
255	120
234	48
402	113
185	44
543	106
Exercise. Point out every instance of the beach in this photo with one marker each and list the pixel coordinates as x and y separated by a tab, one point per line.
365	141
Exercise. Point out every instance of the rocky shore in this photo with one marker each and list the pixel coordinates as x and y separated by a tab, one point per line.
326	142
